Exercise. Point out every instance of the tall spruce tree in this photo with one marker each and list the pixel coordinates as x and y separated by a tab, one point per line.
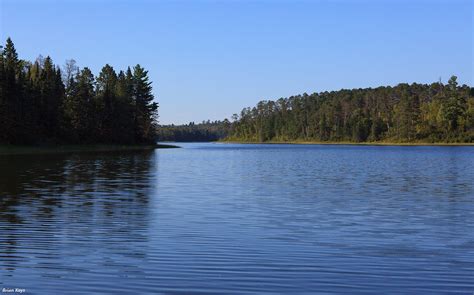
51	100
146	110
106	105
11	93
124	108
79	107
3	111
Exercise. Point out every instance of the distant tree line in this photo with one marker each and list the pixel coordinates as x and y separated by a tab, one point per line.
40	103
404	113
205	131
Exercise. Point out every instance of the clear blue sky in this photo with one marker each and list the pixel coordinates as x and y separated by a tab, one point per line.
209	59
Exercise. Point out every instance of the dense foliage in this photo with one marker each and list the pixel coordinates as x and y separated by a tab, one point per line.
404	113
39	103
205	131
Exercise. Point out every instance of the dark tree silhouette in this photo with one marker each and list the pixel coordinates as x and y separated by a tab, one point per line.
39	104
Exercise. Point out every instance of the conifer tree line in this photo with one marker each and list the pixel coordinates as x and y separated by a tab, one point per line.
40	103
405	113
192	132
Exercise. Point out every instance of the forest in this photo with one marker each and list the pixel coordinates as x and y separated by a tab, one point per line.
202	132
434	113
42	103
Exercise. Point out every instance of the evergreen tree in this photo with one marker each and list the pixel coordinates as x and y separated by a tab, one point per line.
146	111
3	110
106	104
454	106
40	104
124	115
51	100
11	93
79	107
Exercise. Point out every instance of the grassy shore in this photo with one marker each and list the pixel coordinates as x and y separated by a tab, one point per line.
376	143
51	149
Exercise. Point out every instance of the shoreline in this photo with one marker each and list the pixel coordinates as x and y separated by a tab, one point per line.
354	143
54	149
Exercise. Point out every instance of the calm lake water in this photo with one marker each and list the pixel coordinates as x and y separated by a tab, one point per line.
225	218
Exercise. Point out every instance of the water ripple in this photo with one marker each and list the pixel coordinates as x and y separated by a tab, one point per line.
246	219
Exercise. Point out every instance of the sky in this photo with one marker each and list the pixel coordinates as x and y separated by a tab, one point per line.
209	59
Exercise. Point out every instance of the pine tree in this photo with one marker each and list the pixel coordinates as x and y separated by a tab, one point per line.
3	111
51	101
11	93
454	107
124	117
78	107
106	104
146	110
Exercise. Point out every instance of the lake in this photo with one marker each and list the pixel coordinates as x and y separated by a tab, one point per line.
241	219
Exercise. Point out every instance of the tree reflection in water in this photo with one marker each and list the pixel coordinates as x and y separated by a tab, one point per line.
59	208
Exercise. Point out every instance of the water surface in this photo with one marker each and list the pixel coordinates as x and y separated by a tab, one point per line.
228	218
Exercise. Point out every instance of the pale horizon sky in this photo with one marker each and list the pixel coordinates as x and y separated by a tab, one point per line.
209	59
